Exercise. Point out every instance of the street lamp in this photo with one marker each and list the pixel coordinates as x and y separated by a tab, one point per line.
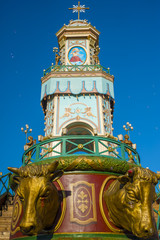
26	130
128	127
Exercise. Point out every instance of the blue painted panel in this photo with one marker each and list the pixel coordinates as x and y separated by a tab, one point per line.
75	85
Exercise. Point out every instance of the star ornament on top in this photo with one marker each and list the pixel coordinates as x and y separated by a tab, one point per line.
78	8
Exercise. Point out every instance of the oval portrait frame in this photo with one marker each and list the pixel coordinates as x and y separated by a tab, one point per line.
76	50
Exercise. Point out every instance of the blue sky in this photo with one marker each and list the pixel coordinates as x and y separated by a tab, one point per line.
130	46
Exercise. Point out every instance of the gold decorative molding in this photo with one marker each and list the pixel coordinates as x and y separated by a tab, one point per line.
17	211
72	74
62	43
101	205
63	208
92	42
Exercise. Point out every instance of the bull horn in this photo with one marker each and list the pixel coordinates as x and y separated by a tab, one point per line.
14	170
52	167
158	176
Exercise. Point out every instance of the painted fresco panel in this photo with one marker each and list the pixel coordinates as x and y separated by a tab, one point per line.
77	55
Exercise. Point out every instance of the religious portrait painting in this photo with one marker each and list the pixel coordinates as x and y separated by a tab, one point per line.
77	55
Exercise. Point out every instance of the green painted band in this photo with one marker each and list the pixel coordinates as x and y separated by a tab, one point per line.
89	236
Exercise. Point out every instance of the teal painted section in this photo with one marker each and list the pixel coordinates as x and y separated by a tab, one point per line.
96	236
75	85
89	236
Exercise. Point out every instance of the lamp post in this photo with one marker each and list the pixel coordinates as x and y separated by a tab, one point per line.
128	127
26	130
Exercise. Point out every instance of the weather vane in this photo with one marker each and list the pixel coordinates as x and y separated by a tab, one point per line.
78	8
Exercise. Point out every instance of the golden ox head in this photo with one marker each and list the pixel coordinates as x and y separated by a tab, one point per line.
129	201
39	196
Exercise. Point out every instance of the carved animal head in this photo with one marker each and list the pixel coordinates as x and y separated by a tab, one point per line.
38	195
129	200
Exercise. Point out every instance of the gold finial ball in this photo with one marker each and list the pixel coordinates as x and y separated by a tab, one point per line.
80	146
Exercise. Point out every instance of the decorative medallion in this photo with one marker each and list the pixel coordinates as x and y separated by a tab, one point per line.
77	55
83	205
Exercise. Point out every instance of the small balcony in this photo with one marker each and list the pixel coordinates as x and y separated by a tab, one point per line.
75	68
80	145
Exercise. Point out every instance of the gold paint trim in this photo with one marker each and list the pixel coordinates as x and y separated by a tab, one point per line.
101	206
64	206
62	74
94	219
17	201
16	230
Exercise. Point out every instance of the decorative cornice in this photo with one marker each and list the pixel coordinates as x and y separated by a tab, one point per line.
77	28
77	74
78	31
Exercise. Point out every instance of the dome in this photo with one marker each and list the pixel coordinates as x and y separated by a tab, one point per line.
78	22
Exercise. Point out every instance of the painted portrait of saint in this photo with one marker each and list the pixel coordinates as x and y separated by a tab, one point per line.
77	56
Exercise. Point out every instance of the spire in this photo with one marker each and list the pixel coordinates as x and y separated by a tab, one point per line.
78	8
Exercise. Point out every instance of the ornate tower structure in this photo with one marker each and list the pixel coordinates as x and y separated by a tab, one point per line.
100	195
78	95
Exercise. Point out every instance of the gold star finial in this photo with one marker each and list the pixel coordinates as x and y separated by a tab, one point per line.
78	8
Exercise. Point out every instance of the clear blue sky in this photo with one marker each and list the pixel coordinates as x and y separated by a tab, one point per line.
130	46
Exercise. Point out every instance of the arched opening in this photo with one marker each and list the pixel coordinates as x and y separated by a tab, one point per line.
80	139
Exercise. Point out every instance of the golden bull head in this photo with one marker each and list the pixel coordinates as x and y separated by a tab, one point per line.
38	195
129	201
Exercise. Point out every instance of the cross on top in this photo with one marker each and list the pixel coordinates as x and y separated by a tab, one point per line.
78	8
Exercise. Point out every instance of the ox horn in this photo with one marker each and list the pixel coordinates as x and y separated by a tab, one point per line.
52	167
14	170
158	175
